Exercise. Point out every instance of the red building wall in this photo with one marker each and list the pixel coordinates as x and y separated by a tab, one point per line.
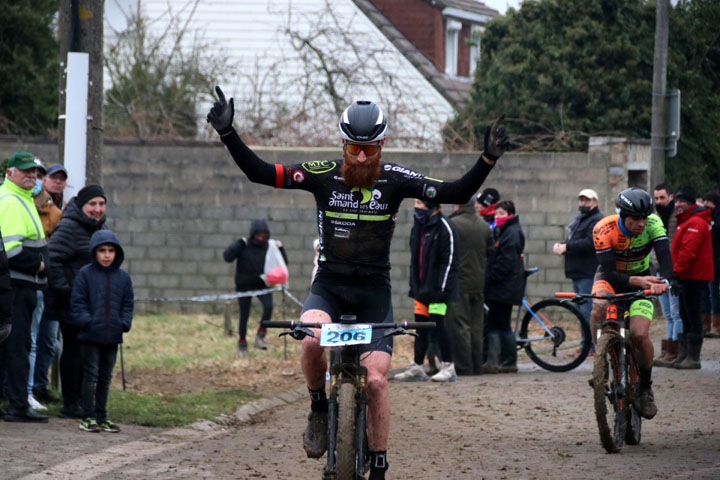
421	24
463	67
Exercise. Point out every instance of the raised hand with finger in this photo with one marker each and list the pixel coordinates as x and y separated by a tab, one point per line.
221	114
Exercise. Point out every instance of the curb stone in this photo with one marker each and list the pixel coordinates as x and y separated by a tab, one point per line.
245	413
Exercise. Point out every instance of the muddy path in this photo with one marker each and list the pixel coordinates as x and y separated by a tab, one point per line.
531	425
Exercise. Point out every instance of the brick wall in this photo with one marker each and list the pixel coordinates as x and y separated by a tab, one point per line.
175	207
421	23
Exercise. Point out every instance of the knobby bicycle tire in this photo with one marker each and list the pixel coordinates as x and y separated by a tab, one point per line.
345	451
633	419
611	421
572	341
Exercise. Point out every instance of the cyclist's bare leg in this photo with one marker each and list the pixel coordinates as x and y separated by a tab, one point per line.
640	339
313	359
378	422
597	315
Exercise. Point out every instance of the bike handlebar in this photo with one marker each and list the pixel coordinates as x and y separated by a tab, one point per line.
374	326
610	296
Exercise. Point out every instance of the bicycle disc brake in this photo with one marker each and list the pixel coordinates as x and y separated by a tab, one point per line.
558	337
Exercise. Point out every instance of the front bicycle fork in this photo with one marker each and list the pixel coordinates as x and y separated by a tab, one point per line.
345	367
619	365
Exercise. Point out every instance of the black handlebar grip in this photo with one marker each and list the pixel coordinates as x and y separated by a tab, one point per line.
416	325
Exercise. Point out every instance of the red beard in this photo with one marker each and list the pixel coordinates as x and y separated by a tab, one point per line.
363	175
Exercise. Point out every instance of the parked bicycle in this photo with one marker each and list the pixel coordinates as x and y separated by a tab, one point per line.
347	401
554	333
615	379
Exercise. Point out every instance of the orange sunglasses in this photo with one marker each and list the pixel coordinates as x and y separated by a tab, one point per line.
355	149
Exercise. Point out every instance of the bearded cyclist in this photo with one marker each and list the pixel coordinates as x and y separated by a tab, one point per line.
623	243
357	201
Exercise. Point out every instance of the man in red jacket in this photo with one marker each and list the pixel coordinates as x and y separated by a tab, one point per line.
692	258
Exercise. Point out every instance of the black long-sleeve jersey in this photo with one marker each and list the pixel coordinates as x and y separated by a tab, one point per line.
355	225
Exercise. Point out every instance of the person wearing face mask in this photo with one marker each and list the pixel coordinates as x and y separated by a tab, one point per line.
504	287
69	249
27	256
42	333
434	264
670	304
578	248
249	254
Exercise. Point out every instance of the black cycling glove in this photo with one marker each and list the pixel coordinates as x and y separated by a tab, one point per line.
496	140
221	114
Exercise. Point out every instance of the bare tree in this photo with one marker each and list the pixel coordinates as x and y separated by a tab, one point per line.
157	80
331	64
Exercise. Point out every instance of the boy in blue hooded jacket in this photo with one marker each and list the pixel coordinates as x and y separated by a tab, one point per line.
101	305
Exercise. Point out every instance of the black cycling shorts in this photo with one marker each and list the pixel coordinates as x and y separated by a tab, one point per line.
366	296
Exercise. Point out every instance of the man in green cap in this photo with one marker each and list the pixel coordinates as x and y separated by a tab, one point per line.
27	255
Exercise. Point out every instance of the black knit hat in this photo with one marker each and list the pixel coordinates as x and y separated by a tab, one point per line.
686	194
89	192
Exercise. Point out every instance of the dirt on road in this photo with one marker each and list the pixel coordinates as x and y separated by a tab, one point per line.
530	425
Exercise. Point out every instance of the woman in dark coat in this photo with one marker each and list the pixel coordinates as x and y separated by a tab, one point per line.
69	249
504	287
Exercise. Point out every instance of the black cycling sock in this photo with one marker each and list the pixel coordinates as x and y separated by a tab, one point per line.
645	374
318	400
378	465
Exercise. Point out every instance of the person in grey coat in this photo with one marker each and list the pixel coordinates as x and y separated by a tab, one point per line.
466	317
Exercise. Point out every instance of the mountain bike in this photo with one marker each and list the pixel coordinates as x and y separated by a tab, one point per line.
554	333
615	379
347	401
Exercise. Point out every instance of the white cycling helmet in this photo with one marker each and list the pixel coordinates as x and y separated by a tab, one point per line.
362	122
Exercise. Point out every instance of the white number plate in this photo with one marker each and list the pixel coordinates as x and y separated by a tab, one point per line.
338	334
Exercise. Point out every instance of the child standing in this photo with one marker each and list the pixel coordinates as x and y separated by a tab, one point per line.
101	305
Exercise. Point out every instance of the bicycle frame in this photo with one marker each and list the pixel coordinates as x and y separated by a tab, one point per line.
544	322
345	368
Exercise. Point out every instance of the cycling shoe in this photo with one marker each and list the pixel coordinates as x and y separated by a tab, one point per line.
315	438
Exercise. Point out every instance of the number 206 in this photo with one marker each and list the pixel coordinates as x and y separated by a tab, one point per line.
335	337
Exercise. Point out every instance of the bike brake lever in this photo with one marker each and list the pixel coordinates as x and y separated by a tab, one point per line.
298	333
398	331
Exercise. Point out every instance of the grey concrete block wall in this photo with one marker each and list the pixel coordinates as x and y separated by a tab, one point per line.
177	206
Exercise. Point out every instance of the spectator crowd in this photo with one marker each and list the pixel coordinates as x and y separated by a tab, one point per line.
60	278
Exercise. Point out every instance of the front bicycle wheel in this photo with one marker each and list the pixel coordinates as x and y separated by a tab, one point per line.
345	444
610	403
633	419
555	335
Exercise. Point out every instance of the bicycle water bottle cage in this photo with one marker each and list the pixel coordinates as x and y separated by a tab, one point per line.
298	333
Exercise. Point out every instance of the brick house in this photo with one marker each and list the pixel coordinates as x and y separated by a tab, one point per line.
445	33
420	79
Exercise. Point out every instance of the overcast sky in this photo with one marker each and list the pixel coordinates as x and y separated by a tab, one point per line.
502	5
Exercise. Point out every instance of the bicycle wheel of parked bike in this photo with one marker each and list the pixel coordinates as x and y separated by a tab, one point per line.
345	444
610	404
633	420
555	335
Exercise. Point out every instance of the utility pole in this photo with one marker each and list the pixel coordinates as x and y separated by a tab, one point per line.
80	29
658	131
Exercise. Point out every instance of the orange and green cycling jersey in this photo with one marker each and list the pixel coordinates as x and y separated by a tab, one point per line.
622	255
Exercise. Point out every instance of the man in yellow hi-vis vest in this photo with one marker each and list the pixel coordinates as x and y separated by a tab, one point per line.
26	250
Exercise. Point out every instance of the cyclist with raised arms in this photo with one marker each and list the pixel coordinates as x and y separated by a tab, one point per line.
623	243
357	203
